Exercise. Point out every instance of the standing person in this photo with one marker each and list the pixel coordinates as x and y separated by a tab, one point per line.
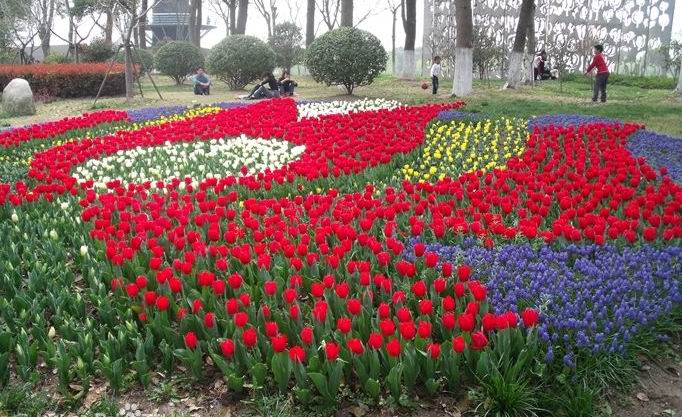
435	72
602	78
202	84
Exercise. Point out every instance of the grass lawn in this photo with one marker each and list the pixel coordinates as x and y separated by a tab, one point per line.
659	110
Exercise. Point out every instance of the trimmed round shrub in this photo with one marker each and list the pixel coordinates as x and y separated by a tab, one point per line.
346	56
97	51
239	59
141	57
177	60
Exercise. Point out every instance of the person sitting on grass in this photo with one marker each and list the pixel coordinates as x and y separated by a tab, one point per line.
286	84
266	88
202	84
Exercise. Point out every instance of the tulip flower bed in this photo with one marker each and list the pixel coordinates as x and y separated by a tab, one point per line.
282	246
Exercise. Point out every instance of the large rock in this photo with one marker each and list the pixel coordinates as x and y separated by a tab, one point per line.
17	98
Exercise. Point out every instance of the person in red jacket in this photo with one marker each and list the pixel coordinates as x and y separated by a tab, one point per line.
599	62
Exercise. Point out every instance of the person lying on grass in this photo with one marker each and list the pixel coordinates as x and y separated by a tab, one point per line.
266	88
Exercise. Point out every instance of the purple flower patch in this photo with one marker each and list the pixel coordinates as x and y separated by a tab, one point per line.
591	297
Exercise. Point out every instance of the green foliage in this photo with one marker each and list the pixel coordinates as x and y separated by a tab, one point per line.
240	59
23	399
177	60
647	82
7	56
286	43
105	407
57	59
97	51
143	58
347	56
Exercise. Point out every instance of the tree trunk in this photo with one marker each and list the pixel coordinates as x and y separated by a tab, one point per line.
45	29
347	13
128	54
409	16
233	17
310	23
678	90
109	27
143	26
192	21
242	16
197	23
395	12
515	72
462	84
530	49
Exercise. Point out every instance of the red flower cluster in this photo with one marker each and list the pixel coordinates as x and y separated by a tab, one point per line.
16	136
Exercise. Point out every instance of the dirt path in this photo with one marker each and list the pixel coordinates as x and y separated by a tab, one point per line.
658	391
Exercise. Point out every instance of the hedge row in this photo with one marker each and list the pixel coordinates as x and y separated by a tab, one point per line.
66	80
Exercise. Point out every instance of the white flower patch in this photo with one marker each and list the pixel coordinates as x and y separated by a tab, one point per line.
344	107
215	158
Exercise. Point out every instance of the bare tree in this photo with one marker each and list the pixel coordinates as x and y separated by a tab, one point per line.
347	13
42	12
678	89
109	9
462	84
21	27
222	9
268	9
294	8
76	14
515	73
129	19
310	22
393	7
329	9
409	17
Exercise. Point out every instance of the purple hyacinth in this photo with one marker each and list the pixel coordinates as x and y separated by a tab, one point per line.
567	120
591	297
658	150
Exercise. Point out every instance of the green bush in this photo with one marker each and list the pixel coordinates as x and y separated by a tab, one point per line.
239	59
97	51
648	82
177	60
141	57
57	59
286	42
347	56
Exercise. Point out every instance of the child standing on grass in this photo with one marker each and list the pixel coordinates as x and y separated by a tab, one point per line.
435	72
602	78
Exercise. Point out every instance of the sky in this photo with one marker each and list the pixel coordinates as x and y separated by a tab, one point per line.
378	21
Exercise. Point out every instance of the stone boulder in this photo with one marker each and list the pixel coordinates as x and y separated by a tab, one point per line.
17	98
